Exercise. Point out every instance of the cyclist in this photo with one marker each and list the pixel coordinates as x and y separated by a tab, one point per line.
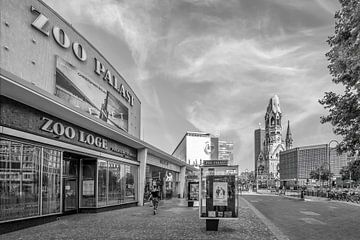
155	195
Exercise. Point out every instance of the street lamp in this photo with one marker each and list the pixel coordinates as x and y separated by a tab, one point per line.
247	177
337	143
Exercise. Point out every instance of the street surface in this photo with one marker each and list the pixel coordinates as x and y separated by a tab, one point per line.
174	221
309	219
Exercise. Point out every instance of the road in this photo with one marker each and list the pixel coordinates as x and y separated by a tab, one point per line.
309	219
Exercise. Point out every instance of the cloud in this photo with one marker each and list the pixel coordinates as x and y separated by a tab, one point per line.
215	64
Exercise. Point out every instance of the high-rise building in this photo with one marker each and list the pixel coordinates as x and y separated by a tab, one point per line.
259	158
226	151
195	147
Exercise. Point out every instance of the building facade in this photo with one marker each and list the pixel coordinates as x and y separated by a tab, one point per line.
195	147
226	150
297	163
273	137
259	144
69	125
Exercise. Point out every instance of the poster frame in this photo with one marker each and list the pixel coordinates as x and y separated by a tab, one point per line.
226	174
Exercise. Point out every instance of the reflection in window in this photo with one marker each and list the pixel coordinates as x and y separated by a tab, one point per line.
117	183
114	183
130	187
19	180
51	181
102	182
88	184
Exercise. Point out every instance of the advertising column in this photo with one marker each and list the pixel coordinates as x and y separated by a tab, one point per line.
218	192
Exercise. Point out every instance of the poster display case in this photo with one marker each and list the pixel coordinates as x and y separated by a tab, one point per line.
218	191
193	193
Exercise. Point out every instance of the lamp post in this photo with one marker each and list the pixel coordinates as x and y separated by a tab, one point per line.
337	143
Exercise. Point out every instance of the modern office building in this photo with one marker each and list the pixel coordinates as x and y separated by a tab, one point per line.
226	150
297	163
259	144
338	161
69	125
195	147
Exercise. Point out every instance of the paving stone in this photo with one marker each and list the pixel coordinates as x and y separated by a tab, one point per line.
174	221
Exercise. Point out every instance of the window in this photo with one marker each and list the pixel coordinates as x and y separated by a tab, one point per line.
51	181
20	180
117	183
131	183
102	182
114	183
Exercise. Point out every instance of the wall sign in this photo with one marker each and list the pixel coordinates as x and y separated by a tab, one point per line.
18	116
63	40
59	129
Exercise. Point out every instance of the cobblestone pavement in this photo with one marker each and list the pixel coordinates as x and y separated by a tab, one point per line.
174	221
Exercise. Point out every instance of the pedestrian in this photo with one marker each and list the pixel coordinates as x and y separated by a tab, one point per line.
154	196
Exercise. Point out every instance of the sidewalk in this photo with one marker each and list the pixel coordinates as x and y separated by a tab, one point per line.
174	221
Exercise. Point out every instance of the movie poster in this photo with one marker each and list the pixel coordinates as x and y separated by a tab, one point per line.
194	191
81	91
220	196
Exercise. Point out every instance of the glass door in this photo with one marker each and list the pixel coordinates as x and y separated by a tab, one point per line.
70	195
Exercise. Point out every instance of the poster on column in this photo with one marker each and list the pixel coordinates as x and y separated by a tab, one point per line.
220	197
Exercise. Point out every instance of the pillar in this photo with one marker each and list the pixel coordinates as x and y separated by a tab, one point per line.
182	181
142	158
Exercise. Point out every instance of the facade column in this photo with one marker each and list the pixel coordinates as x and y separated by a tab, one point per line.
142	158
182	181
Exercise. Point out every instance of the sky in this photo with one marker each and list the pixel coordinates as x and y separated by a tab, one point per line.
213	65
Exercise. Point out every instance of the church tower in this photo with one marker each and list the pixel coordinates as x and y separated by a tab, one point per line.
288	140
273	139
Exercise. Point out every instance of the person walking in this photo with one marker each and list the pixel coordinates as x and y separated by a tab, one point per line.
155	197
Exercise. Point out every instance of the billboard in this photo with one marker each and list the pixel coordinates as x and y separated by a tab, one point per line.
218	192
198	149
79	90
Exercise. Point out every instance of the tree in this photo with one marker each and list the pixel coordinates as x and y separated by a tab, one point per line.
344	66
353	168
324	173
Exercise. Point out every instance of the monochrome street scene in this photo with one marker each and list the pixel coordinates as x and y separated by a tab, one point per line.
180	119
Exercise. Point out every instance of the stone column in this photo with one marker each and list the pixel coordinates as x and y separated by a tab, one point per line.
182	181
142	158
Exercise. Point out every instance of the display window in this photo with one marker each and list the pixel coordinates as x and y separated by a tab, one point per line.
102	182
88	170
117	183
51	170
130	183
115	188
29	175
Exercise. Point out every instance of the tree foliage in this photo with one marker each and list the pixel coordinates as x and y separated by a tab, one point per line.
323	172
344	66
353	168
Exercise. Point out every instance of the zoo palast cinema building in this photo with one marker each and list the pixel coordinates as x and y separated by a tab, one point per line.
69	125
